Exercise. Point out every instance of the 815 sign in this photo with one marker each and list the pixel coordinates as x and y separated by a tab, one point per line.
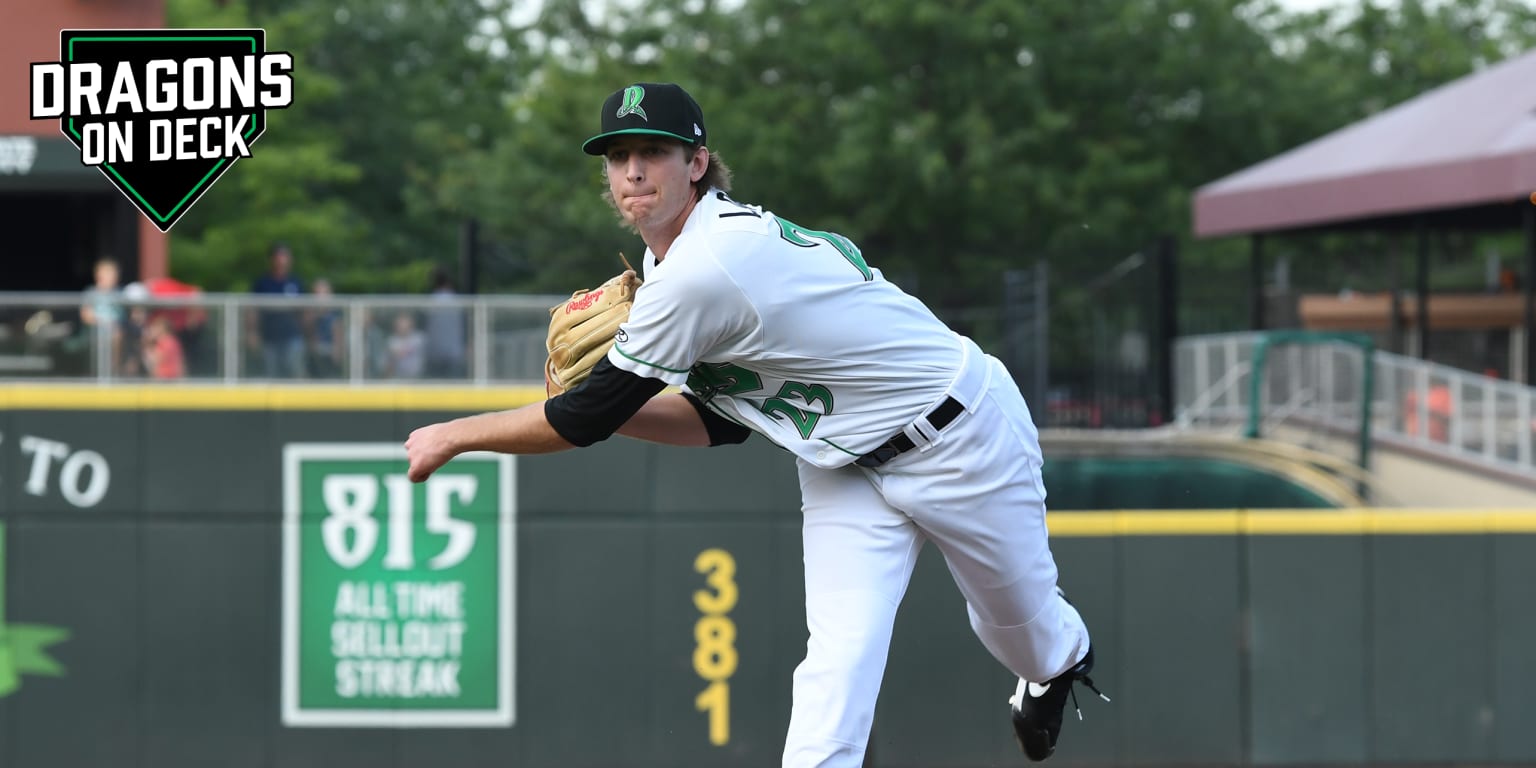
351	532
397	596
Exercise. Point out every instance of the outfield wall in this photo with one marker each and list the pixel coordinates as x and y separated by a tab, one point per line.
238	578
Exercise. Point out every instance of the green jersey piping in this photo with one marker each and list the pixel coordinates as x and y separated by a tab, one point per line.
647	362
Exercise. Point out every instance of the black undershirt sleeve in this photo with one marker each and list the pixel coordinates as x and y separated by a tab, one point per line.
597	407
722	431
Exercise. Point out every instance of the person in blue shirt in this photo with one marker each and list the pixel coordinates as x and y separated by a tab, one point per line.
279	332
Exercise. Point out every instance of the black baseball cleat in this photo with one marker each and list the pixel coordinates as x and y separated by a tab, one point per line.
1037	707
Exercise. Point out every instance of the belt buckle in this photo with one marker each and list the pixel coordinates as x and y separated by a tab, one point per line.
879	456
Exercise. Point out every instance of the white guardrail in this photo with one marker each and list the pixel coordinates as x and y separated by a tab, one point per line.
1424	405
249	337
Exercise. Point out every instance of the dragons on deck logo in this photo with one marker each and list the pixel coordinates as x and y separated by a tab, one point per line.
163	112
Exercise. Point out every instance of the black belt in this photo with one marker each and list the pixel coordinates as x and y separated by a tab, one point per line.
938	418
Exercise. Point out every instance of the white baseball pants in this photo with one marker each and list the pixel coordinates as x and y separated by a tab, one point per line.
976	493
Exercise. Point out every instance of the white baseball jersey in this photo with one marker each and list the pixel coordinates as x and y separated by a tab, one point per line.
787	331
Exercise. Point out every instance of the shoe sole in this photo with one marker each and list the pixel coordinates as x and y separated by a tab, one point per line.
1035	742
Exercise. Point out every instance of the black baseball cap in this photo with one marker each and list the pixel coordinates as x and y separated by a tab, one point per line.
657	109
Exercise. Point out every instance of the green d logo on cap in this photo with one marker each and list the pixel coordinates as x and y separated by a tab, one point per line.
633	95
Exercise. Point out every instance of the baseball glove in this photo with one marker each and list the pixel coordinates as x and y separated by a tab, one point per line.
581	330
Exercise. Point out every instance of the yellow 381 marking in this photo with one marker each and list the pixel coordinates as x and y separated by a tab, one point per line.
714	655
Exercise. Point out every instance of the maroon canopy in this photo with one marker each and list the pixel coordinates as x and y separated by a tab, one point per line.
1469	142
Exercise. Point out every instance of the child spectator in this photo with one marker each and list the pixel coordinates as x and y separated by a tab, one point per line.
407	348
163	358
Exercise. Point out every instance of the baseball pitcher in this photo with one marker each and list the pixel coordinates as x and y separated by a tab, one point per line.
904	431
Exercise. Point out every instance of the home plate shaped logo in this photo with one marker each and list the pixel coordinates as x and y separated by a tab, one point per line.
162	112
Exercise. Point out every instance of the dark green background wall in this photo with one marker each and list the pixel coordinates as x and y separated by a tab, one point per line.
1218	649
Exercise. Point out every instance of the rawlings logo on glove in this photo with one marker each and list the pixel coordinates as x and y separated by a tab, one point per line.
585	302
582	329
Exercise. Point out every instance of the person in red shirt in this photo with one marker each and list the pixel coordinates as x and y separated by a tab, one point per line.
163	357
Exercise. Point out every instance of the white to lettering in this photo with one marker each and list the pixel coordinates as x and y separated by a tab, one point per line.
83	476
43	451
97	476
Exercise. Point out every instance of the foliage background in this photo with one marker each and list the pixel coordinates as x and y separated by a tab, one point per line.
951	138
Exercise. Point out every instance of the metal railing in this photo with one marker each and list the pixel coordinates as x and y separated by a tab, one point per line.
249	337
1424	405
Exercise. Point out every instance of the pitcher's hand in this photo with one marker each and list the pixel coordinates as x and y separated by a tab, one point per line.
428	448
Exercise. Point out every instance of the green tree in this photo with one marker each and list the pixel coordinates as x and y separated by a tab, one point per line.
291	189
950	138
386	95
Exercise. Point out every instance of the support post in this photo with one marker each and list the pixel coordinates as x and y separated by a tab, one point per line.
1528	286
1421	288
1395	280
1256	283
469	256
1167	308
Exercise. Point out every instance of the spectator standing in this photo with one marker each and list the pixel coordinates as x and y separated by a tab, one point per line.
279	332
446	338
376	333
325	323
102	311
134	319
